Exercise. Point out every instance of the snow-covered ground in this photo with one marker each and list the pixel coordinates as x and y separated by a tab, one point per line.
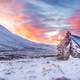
40	69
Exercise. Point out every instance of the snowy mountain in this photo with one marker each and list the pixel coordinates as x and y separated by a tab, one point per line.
10	41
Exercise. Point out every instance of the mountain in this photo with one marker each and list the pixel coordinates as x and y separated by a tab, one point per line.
12	42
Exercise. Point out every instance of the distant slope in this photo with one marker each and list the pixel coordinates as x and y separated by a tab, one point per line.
10	41
76	39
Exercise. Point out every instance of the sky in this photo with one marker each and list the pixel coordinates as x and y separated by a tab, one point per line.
42	21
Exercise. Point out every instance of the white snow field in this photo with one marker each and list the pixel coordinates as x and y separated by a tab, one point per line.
40	69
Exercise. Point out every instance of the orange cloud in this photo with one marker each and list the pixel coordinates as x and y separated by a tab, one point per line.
37	35
74	21
31	33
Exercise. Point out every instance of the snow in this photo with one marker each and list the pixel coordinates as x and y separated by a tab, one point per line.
39	69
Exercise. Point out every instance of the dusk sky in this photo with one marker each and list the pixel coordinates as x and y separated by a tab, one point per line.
43	21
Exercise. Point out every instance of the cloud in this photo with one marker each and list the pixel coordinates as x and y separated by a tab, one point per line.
47	15
34	20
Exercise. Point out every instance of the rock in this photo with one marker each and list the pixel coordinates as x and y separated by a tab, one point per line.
62	57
